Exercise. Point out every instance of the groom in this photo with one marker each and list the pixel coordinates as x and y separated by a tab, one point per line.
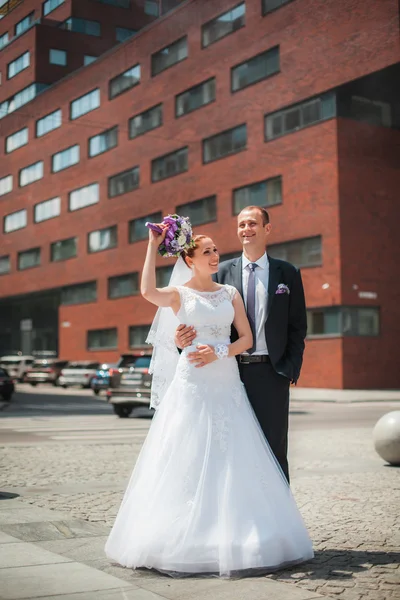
273	294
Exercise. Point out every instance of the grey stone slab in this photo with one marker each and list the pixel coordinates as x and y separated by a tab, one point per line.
8	539
28	514
6	504
55	580
125	594
79	549
134	577
53	530
187	587
23	555
220	589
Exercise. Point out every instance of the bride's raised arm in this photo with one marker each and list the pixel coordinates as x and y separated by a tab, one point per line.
168	296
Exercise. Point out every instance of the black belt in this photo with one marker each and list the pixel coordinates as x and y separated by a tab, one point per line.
246	359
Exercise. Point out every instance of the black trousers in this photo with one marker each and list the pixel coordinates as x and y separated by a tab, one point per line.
268	393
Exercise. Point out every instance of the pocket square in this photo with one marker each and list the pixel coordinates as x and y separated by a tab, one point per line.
282	289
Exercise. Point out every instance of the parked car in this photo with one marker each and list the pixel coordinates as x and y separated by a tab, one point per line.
80	372
16	365
45	370
6	385
130	387
101	380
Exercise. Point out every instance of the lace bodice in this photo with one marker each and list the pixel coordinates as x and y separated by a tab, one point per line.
211	313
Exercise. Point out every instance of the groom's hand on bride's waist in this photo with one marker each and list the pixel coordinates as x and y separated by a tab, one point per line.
184	336
204	355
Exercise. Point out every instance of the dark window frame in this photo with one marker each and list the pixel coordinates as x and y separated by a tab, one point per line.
125	172
2	257
120	75
115	245
115	127
36	248
156	216
143	112
264	78
76	286
271	10
220	133
136	279
193	87
52	244
166	156
101	348
139	326
340	309
253	183
203	47
184	37
31	15
299	241
181	208
80	98
74	164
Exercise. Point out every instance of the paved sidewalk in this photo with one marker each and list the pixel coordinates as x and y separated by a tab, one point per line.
47	554
330	395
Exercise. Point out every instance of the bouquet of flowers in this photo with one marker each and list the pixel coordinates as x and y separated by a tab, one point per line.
178	237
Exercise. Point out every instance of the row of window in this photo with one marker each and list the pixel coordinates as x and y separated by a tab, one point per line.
335	321
264	193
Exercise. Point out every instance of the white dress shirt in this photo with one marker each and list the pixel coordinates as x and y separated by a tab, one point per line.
262	278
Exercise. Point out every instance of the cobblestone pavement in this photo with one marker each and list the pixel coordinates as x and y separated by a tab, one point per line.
349	499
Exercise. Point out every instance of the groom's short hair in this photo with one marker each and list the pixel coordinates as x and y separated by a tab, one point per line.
264	213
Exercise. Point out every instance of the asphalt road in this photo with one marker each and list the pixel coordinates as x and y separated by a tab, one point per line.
35	414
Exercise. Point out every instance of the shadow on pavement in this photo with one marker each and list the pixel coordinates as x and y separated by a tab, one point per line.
35	405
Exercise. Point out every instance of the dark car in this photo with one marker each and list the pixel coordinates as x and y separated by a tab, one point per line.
45	370
130	386
101	380
6	385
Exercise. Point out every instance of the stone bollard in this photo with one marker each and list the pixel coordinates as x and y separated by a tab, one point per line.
386	436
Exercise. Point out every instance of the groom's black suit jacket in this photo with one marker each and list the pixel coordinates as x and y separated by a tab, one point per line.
286	323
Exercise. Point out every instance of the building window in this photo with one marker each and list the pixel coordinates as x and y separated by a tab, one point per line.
229	256
51	5
64	159
270	5
18	65
124	81
82	26
21	98
122	33
200	211
263	193
343	321
31	174
255	69
371	111
138	335
227	23
85	104
24	24
299	116
16	220
28	259
3	40
5	265
102	339
16	140
151	8
87	60
137	228
47	210
123	182
85	196
58	57
306	252
123	285
225	143
6	185
197	96
120	3
102	239
163	276
63	250
146	121
168	56
48	123
81	293
103	142
169	165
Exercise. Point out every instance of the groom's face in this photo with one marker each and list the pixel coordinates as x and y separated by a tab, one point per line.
252	231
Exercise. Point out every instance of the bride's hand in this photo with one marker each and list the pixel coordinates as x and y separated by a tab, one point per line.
155	238
204	356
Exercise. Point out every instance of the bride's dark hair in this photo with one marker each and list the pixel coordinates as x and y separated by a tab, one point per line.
190	251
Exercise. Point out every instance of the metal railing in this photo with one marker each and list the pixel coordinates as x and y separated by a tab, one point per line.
7	6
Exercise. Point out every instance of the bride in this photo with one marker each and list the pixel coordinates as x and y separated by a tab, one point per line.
207	495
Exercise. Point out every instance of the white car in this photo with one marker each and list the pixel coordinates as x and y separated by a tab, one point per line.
80	372
16	365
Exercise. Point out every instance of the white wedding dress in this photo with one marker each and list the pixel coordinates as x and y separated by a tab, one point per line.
207	496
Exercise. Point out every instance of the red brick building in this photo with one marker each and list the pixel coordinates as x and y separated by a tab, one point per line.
207	107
